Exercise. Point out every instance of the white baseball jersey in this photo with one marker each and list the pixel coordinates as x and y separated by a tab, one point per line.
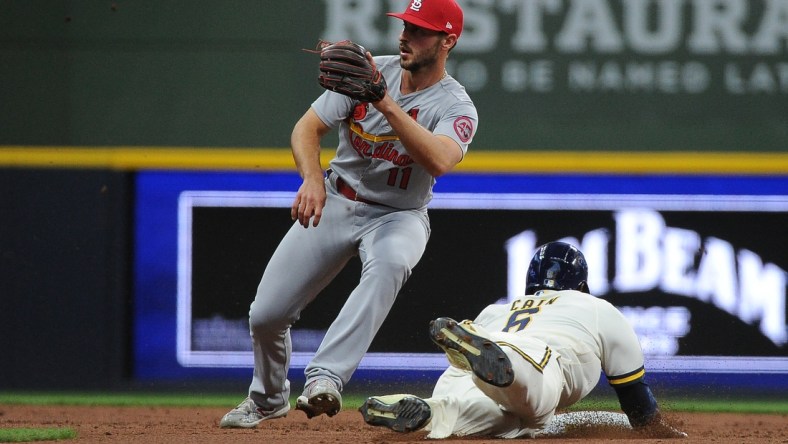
558	342
578	326
370	156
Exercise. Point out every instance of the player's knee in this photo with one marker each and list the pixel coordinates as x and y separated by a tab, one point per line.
268	318
392	266
387	274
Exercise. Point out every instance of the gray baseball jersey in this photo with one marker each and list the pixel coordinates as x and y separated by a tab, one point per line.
370	157
558	342
389	237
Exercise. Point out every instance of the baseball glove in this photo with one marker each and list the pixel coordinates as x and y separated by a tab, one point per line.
344	68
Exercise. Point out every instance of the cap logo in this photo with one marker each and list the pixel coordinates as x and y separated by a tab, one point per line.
448	25
415	5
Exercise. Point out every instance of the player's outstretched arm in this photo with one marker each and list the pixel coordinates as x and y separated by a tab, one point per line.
641	408
305	142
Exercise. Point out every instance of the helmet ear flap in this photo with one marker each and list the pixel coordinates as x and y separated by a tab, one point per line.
583	287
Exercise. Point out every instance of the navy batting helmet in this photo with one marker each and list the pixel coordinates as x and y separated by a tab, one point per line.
557	266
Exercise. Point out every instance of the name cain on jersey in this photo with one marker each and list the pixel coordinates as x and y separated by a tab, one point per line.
520	304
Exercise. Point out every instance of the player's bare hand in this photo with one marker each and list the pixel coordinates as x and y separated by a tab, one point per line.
309	202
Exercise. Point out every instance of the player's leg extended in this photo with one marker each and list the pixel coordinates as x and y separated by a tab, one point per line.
291	280
517	372
390	246
459	408
469	347
538	380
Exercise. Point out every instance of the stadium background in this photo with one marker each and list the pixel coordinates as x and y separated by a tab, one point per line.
96	94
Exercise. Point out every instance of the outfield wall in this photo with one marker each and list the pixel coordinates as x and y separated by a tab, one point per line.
686	75
665	98
97	289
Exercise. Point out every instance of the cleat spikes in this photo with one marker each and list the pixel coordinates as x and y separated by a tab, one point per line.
466	349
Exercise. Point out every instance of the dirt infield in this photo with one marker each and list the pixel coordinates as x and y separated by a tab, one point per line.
181	425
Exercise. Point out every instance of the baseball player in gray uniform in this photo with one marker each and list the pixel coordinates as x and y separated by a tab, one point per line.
371	204
516	363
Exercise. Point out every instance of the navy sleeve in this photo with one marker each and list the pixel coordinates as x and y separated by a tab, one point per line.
637	402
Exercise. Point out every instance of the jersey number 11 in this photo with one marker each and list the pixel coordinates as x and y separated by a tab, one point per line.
403	181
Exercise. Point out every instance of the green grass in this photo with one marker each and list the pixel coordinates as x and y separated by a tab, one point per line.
353	401
43	434
119	399
698	404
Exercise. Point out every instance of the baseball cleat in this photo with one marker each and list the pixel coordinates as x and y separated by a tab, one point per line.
247	415
400	413
320	396
466	348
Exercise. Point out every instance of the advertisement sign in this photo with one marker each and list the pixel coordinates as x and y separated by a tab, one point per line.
622	75
701	277
602	74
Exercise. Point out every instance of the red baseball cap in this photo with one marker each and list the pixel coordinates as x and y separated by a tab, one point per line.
437	15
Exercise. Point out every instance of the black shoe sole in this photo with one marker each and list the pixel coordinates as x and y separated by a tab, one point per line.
407	415
480	355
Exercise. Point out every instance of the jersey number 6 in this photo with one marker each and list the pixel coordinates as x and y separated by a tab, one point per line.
519	319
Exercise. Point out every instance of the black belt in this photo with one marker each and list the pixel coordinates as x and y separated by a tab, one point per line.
348	191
